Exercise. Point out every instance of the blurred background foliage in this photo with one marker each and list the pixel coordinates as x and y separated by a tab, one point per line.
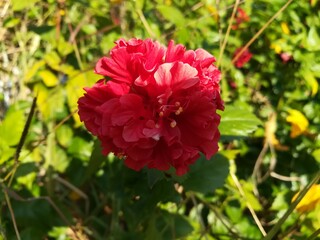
59	186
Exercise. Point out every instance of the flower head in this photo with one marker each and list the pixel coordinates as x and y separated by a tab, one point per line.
241	16
299	123
243	58
310	201
157	105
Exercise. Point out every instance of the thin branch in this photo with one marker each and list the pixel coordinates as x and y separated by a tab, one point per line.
21	141
304	191
17	197
195	204
261	31
256	219
285	178
12	215
75	189
224	44
145	23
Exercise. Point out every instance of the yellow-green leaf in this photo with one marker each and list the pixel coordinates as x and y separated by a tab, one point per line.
74	88
311	81
50	101
48	78
33	70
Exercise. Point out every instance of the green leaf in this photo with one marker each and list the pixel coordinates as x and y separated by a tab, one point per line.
53	60
95	162
207	175
11	22
33	70
76	82
50	101
311	81
18	5
250	197
154	176
139	4
164	225
172	14
48	78
182	227
89	28
64	47
80	148
12	127
237	122
64	135
313	40
316	155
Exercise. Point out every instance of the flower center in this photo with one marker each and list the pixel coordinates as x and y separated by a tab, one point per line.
169	110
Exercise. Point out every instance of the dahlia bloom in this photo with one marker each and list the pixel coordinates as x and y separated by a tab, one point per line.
243	58
156	106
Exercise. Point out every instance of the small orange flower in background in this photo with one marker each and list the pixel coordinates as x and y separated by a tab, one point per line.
299	123
241	16
310	201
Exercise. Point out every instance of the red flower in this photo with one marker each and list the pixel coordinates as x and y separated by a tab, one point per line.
243	58
158	106
241	16
286	57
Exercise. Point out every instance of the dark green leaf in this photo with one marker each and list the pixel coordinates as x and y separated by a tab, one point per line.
154	176
206	176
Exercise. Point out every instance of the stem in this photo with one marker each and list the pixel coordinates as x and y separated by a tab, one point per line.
260	31
12	215
225	40
304	191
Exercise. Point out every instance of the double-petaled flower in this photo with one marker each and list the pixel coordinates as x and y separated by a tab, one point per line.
156	106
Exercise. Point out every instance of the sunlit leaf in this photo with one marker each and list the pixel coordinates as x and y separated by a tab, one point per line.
53	60
11	22
313	40
311	81
64	135
249	196
316	155
64	47
237	122
33	70
48	78
50	102
172	14
18	5
11	127
74	88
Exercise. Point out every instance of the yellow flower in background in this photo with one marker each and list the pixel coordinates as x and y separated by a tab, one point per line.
310	201
213	12
299	123
285	28
277	48
270	130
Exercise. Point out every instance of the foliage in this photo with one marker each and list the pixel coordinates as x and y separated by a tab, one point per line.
57	185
